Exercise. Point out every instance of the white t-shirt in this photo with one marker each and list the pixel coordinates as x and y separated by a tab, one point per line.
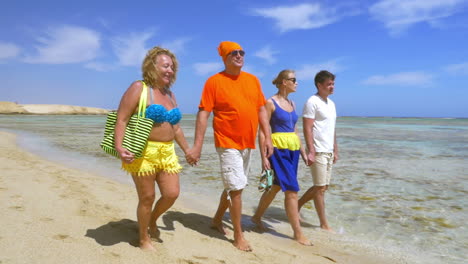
324	114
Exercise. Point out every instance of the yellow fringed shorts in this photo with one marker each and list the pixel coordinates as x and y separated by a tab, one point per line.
157	156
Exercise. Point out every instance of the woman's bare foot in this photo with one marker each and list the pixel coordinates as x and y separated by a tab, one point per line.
147	246
220	228
242	244
258	222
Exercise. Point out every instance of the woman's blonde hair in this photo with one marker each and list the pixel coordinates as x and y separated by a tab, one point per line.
282	75
150	74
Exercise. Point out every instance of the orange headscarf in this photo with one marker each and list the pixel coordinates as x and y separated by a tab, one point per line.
226	47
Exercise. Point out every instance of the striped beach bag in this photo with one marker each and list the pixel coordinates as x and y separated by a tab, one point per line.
136	133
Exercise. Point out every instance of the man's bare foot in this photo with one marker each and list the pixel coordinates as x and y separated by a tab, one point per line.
327	228
258	222
220	228
155	233
147	246
301	239
242	244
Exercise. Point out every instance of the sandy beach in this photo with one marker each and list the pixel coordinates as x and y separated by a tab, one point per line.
55	214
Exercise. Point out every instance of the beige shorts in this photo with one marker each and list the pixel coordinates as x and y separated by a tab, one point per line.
322	168
235	166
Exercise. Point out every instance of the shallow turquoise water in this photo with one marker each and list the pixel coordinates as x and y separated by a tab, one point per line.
399	188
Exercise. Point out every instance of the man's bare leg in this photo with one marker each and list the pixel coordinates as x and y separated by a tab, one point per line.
307	196
217	222
319	202
235	209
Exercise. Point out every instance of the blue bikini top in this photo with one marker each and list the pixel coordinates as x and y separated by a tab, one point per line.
159	114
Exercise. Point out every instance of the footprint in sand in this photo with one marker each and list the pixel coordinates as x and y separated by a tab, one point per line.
60	237
17	207
113	254
200	257
188	261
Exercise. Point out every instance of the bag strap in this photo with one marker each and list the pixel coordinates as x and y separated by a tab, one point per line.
143	100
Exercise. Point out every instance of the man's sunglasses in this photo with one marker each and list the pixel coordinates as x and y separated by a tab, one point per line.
236	52
292	80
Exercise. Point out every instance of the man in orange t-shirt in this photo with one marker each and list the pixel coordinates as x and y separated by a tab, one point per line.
237	101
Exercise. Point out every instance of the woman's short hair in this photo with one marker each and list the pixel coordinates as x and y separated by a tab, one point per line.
150	74
282	75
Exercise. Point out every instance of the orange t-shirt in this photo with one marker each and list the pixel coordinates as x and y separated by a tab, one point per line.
235	101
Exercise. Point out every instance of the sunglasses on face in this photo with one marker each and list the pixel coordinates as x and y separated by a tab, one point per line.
292	80
237	52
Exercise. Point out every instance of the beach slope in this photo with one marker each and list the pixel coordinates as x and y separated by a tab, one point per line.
54	214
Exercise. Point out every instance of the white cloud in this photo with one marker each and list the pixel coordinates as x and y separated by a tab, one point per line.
308	71
303	16
66	44
98	66
401	79
176	46
8	50
207	68
267	54
253	70
399	15
457	69
130	49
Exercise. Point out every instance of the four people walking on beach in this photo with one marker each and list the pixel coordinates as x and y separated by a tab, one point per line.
236	99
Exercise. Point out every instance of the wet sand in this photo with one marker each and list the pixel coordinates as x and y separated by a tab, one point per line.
55	214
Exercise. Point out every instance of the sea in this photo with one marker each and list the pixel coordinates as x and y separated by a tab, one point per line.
399	189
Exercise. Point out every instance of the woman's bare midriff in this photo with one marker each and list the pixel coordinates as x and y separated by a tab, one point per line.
162	132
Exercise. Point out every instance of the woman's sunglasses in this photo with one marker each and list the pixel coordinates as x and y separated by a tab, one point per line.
292	80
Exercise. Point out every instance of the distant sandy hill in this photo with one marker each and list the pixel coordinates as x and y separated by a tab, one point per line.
49	109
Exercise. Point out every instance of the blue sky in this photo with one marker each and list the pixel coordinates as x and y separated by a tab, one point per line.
391	57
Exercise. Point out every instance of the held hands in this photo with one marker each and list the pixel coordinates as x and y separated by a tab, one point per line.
268	148
310	158
304	158
192	156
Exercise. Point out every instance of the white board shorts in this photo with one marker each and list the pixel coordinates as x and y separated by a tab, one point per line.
235	166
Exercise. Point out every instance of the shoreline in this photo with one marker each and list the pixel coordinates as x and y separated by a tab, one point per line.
12	108
63	214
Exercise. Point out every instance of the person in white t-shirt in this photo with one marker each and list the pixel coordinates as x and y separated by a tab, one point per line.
319	119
